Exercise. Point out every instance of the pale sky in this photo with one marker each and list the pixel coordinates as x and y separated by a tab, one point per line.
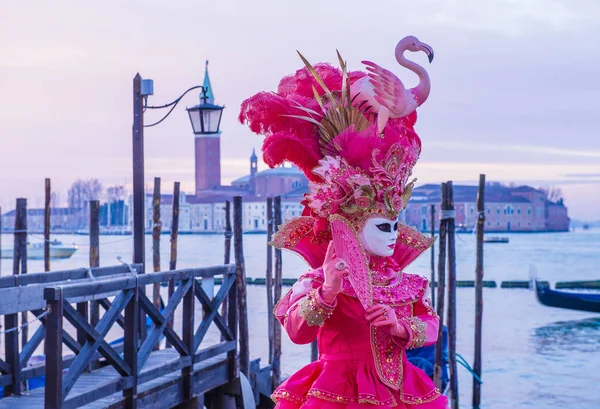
515	84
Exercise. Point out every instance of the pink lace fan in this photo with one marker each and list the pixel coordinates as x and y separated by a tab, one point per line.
348	248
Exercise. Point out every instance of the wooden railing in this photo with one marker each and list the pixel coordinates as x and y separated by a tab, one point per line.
129	302
19	293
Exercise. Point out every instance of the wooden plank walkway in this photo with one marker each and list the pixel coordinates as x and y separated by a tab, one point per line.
208	374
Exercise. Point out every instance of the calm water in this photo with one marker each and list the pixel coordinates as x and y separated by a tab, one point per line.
534	356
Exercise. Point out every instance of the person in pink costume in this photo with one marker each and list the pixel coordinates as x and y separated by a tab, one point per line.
356	301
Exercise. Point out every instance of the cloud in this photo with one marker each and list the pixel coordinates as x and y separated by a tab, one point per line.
515	83
582	175
495	147
550	173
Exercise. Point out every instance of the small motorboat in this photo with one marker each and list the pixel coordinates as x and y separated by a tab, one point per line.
569	300
495	239
35	251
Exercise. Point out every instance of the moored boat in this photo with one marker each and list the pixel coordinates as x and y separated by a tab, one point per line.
495	239
35	251
569	300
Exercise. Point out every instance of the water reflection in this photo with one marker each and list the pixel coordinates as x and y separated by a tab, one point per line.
568	337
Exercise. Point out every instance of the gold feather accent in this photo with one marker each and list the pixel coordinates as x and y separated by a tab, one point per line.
407	193
339	115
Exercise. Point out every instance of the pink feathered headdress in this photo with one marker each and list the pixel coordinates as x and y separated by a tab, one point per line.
353	169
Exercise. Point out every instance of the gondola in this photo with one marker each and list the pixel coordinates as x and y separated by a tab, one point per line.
562	299
495	239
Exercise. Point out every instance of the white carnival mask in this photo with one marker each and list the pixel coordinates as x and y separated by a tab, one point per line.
378	236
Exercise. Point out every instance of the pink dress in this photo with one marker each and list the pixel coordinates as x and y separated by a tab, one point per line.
359	365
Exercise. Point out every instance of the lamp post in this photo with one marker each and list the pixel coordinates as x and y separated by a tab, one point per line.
205	119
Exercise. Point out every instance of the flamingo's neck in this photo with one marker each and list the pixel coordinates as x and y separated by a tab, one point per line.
422	90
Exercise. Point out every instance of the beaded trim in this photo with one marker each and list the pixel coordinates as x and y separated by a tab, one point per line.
362	398
417	329
388	358
410	236
313	310
331	397
291	232
410	399
287	396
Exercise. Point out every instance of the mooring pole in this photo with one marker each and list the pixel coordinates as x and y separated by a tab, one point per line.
479	292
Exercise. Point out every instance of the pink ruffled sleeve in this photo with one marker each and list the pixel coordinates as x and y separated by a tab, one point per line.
302	311
422	327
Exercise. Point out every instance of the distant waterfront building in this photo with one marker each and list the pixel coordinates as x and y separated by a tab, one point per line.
507	209
112	216
207	215
61	219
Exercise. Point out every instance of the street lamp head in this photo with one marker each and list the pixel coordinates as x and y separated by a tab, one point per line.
205	117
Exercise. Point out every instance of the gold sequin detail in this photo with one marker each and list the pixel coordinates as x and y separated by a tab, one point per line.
291	232
313	311
417	328
412	237
428	397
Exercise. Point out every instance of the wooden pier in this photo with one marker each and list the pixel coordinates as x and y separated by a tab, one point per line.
100	350
129	373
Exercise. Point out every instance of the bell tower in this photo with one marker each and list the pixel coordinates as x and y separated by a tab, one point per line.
207	149
253	163
253	170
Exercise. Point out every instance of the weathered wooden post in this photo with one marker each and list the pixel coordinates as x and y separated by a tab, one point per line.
173	260
228	232
53	350
269	277
174	228
47	227
22	263
188	327
276	298
232	323
94	260
139	194
452	297
131	345
156	227
441	286
479	292
240	271
433	256
227	258
11	339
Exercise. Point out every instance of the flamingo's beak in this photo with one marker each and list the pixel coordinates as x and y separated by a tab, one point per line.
427	50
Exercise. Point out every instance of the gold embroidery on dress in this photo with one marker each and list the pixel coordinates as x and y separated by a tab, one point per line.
418	330
389	375
313	311
291	232
428	397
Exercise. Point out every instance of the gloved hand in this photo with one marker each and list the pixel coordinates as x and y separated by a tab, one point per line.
381	315
334	273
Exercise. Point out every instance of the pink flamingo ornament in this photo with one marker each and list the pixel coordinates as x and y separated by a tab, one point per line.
383	90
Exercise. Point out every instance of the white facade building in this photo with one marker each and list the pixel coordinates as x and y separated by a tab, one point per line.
210	217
